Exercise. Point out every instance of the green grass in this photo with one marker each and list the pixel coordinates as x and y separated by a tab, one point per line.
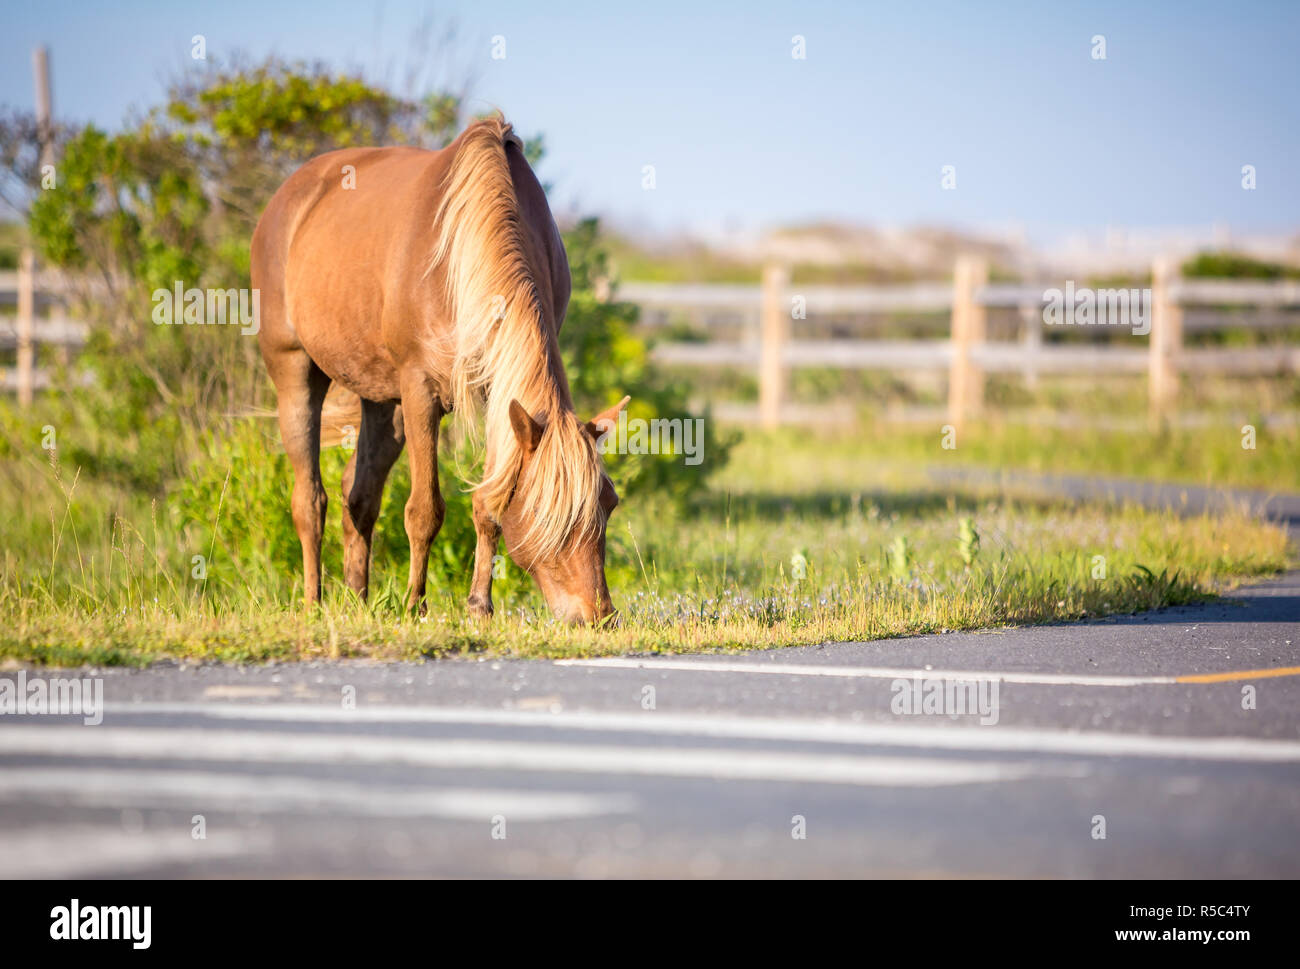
803	539
1211	455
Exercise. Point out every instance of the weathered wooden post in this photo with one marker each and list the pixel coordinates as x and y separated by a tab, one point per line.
1166	341
24	372
969	328
1031	340
44	103
774	334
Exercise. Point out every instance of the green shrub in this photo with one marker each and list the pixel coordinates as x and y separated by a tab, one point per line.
233	508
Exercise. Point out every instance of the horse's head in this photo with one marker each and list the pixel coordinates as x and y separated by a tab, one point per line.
554	524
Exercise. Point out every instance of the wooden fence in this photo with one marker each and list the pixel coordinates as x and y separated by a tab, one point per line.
38	318
773	347
33	294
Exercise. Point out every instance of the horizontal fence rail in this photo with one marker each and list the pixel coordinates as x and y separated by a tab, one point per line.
991	357
59	331
934	297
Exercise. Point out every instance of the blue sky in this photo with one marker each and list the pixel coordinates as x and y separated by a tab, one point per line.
743	135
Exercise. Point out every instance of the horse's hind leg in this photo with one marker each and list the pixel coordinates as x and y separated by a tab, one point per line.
421	415
300	387
378	446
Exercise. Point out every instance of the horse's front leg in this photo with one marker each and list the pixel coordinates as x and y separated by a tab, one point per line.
480	590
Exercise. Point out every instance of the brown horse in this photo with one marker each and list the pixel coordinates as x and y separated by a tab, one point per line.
426	282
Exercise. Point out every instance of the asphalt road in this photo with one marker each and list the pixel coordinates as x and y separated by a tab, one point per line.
1284	509
693	766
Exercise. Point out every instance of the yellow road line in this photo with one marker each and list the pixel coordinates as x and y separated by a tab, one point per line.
856	672
1239	675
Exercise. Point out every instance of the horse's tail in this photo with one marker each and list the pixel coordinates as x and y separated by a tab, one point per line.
501	344
340	419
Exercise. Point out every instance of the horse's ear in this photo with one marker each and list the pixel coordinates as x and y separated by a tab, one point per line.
527	431
603	422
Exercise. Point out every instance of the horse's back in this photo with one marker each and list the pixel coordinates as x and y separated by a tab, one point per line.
340	256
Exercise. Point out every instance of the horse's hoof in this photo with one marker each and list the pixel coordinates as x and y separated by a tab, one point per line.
480	609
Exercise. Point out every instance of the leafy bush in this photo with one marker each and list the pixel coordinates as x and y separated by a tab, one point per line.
233	508
1232	265
605	360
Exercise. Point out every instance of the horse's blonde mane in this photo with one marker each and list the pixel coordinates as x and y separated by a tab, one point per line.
506	348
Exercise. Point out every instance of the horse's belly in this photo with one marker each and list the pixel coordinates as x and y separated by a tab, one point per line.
360	366
344	340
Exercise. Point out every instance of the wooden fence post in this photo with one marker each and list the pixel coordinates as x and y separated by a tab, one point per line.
25	370
44	104
1165	341
1031	339
969	328
774	334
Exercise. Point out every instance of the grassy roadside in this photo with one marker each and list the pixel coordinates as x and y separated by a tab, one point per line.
801	540
1211	456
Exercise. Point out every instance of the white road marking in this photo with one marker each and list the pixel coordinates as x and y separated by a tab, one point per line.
78	851
730	764
866	672
999	739
239	691
259	793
